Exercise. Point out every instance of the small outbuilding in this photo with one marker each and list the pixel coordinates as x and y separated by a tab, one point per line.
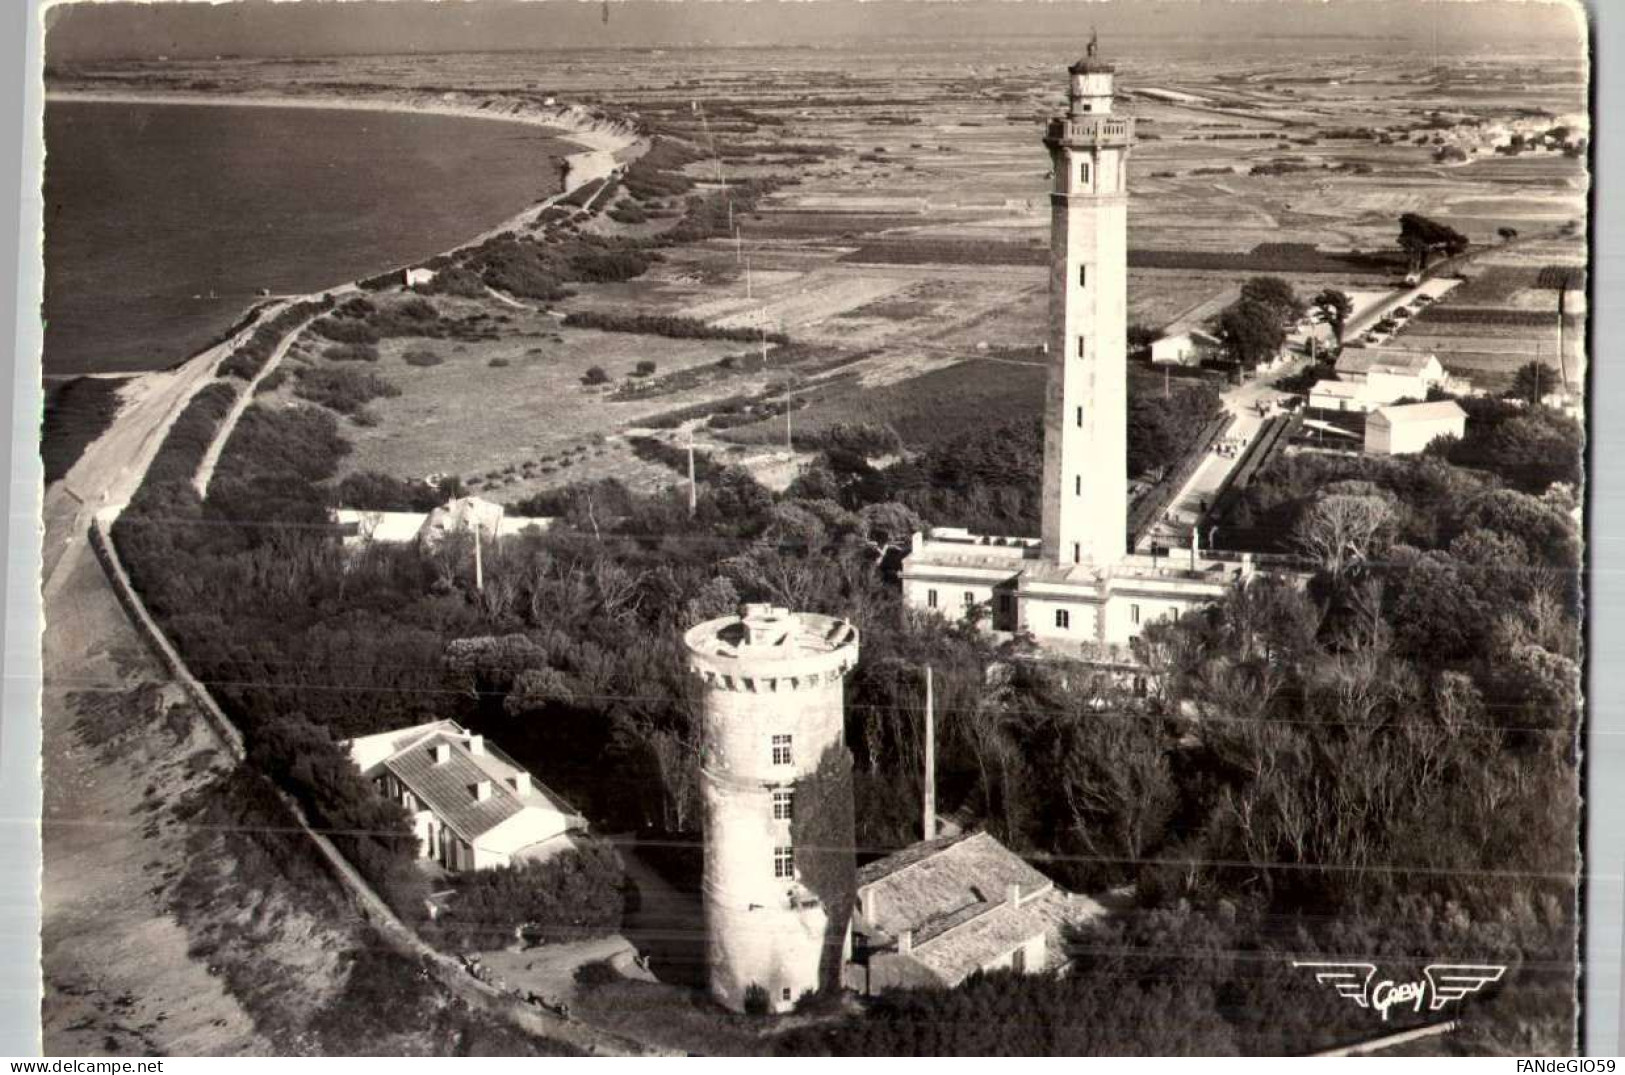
935	913
1336	396
1184	348
1410	428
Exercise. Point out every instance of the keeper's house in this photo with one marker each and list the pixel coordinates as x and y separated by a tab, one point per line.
473	807
938	912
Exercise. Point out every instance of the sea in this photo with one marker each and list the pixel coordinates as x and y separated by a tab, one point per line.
163	222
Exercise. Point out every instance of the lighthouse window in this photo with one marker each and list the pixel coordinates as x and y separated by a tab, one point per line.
1077	553
1083	173
1080	417
781	750
784	862
782	808
1083	347
1083	276
1077	485
1063	618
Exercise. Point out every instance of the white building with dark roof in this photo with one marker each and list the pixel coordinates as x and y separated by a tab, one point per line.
472	806
937	912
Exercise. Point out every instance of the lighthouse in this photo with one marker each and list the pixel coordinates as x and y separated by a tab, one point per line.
780	872
1085	507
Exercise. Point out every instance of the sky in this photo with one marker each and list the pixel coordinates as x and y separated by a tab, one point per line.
96	29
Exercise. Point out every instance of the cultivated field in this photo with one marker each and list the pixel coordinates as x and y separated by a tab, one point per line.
901	240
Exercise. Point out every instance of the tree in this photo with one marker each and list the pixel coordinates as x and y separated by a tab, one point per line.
1334	307
1344	529
1276	294
1506	233
595	375
1251	332
1420	238
1532	382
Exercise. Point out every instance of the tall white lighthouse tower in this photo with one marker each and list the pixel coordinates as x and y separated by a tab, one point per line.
780	872
1085	518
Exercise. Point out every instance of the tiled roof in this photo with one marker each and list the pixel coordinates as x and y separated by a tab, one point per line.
448	787
953	894
930	887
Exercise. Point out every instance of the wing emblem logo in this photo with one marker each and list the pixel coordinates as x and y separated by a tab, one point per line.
1440	984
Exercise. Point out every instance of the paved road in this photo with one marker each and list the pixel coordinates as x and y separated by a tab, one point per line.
1194	500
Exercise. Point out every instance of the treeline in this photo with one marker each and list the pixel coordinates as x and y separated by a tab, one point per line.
668	325
1393	743
246	362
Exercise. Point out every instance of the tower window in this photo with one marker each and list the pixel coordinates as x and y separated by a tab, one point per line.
1063	619
930	599
1077	553
783	809
1083	173
781	750
1080	417
1083	276
784	862
1083	347
1077	485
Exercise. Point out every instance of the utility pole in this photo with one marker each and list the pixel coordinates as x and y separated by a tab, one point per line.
763	326
1166	381
928	822
693	490
479	567
789	410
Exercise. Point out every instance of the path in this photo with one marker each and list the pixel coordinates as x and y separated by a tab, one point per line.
1196	497
110	470
211	458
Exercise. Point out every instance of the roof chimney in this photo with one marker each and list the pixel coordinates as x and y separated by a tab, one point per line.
442	753
476	744
521	783
905	942
482	791
868	904
1012	894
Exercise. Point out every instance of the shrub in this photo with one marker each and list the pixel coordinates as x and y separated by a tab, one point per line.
345	330
756	1002
598	972
576	894
498	363
643	368
421	357
342	389
595	375
351	352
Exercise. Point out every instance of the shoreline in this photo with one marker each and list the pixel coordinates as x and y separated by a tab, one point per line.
607	144
604	141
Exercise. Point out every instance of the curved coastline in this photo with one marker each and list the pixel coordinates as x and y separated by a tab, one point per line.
606	142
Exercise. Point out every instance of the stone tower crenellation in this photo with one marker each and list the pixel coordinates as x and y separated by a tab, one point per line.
772	732
1085	508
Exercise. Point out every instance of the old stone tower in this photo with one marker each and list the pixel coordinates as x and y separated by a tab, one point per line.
780	871
1085	516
